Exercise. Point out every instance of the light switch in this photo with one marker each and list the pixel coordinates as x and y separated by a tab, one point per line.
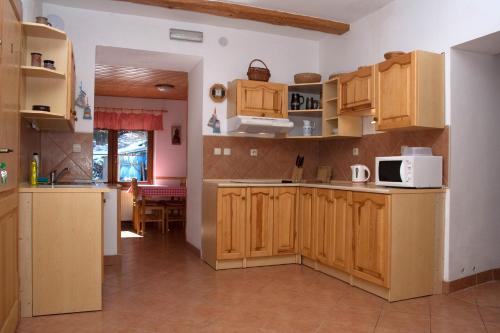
253	152
227	151
77	148
355	151
217	151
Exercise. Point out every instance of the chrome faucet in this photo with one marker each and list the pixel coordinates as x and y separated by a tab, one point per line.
54	176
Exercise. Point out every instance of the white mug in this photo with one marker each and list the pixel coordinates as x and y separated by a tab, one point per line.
360	173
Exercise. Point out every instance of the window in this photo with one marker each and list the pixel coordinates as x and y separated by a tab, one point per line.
120	156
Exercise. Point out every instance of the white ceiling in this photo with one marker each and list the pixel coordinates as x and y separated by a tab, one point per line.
346	11
489	44
115	56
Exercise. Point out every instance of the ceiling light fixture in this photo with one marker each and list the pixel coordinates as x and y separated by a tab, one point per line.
164	87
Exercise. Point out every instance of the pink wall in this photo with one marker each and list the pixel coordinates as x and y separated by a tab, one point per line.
170	160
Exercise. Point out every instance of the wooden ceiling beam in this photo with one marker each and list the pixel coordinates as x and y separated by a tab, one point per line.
244	12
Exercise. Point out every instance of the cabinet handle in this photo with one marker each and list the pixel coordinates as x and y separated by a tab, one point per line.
243	198
6	150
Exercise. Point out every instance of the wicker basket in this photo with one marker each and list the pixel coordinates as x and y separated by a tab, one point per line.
258	73
306	78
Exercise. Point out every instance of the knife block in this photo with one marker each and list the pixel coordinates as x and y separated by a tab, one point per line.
297	174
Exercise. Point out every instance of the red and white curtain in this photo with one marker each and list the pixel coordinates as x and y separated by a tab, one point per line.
128	119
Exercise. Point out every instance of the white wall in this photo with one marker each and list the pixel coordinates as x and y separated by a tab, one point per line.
475	157
195	155
88	29
407	25
170	160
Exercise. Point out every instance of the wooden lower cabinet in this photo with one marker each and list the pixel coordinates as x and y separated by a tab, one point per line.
305	222
371	237
285	220
231	215
387	244
259	222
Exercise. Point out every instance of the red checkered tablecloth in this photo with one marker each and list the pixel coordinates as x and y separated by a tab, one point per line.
160	191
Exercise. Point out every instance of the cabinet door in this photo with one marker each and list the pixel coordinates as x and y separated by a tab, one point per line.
306	225
262	99
395	102
259	222
231	215
323	218
371	237
285	221
341	231
67	252
357	90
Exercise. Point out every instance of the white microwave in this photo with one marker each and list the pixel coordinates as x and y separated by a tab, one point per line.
414	171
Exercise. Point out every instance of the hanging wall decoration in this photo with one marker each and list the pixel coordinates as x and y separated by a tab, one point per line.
218	93
214	123
82	102
176	135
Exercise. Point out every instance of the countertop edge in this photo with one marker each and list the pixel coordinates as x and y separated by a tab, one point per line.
91	189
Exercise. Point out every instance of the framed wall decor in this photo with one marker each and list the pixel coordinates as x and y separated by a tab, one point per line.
218	93
176	135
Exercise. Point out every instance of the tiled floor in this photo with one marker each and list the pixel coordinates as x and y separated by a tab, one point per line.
163	287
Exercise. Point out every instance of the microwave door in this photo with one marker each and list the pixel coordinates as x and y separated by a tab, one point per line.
391	171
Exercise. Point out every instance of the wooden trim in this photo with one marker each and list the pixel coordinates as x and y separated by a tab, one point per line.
25	254
113	260
12	319
18	8
471	280
244	12
403	59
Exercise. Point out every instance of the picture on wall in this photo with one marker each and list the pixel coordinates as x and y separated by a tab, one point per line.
176	135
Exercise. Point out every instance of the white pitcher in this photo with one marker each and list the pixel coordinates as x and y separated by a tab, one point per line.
360	173
308	127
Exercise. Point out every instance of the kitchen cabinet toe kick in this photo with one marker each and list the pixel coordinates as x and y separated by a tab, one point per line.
258	262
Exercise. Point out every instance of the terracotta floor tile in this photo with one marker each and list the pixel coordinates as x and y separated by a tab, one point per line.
392	322
440	325
163	287
492	328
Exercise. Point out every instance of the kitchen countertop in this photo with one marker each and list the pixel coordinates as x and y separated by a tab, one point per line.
77	188
334	185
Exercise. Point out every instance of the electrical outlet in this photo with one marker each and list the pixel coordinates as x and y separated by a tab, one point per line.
355	151
217	151
77	148
253	152
227	151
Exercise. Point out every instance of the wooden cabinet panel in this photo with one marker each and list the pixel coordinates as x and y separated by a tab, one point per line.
257	99
341	231
323	218
410	91
285	220
71	81
306	222
259	224
9	294
396	92
67	252
231	215
371	237
357	90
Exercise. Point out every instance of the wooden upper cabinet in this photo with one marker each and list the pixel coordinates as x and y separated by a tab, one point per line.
371	237
357	90
323	219
306	222
341	231
259	225
257	99
410	91
285	220
231	215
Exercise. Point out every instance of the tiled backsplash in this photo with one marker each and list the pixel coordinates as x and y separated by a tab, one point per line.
275	160
338	154
276	157
57	153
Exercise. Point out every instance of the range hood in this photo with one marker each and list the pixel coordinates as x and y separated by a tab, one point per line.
258	125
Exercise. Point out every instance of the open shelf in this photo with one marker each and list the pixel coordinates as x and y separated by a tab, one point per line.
42	31
333	99
42	72
40	114
307	88
332	118
316	112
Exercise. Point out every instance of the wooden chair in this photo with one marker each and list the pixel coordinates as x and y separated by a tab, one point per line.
146	211
175	209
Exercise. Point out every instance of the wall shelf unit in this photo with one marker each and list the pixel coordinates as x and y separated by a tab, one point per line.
42	86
